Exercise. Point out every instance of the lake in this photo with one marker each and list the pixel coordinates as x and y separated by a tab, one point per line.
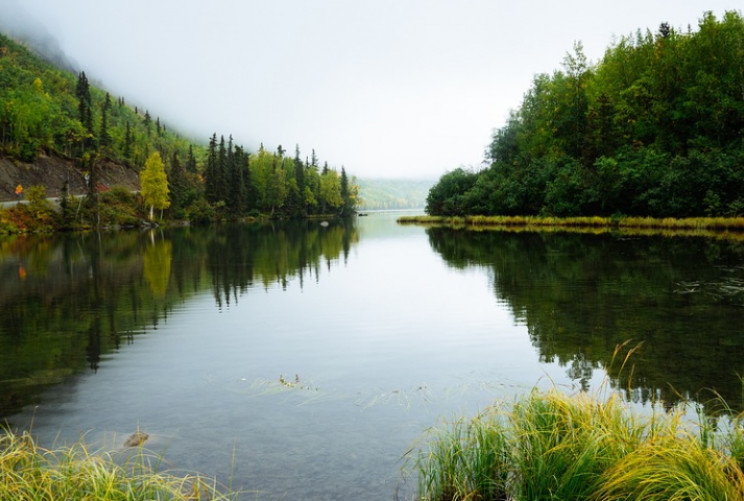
302	361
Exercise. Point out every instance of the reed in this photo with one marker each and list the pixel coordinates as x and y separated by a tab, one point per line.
30	472
467	460
549	445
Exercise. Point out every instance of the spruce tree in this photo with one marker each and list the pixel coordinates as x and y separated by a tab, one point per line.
222	179
191	162
237	186
127	150
346	206
147	122
85	113
210	171
299	172
177	183
104	138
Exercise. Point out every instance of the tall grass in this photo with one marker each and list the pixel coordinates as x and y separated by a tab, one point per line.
30	472
701	226
552	446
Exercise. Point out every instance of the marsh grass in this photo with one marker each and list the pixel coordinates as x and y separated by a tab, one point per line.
549	445
701	226
30	472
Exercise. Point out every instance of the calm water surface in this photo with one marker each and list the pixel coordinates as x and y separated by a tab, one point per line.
301	361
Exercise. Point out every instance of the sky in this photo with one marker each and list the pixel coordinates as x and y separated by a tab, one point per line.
385	88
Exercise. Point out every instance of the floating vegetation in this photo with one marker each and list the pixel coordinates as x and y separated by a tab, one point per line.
282	384
730	289
397	396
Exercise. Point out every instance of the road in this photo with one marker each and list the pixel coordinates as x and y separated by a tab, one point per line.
53	200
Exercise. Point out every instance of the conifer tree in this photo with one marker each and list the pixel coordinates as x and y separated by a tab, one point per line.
147	122
128	140
346	204
191	162
178	184
237	182
104	138
210	171
85	113
299	173
222	188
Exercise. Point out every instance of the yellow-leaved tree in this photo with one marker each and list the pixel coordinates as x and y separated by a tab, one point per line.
154	184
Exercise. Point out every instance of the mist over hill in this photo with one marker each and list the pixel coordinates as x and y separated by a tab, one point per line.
389	194
22	26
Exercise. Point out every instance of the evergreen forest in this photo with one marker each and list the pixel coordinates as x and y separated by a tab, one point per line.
56	113
654	128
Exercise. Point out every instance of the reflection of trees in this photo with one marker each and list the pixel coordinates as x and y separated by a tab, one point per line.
580	296
242	256
82	293
157	265
85	294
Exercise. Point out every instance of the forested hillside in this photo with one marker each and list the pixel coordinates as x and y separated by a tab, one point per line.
48	112
655	128
391	194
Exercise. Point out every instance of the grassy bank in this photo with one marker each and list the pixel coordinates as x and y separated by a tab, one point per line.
636	225
30	472
548	445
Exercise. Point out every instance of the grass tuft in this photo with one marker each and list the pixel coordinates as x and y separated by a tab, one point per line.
549	445
30	472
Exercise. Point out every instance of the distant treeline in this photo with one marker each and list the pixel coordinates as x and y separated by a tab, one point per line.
44	109
655	128
389	194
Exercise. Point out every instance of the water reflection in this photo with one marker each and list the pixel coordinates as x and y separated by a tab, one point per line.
581	296
68	301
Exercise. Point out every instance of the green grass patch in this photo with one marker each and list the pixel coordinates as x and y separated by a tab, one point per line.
30	472
552	446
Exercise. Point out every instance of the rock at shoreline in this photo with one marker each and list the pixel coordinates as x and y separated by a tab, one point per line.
136	439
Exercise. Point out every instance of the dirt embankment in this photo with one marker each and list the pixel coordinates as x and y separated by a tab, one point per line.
52	172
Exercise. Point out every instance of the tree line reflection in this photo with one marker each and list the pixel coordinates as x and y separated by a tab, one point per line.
68	301
582	296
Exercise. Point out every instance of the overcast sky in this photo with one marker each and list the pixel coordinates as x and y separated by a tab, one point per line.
386	88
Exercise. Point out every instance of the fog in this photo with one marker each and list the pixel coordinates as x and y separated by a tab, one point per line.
385	88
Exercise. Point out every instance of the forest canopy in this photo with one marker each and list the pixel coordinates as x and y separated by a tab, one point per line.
655	128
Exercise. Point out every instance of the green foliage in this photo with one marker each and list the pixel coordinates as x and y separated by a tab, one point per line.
653	129
448	195
237	184
154	184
